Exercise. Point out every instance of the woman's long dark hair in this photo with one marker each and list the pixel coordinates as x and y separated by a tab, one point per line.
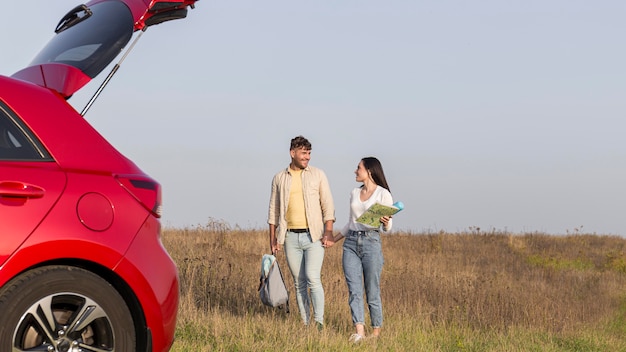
375	169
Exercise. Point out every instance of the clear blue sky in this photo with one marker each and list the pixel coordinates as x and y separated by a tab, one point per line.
490	114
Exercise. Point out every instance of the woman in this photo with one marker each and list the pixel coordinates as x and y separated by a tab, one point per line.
362	250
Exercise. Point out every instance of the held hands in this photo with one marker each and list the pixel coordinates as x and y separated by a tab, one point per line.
328	239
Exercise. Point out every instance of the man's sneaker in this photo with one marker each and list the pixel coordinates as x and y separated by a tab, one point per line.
319	326
355	338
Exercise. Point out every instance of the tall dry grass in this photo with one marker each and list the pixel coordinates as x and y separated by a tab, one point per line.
469	291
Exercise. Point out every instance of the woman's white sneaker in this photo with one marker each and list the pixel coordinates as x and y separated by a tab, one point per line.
355	338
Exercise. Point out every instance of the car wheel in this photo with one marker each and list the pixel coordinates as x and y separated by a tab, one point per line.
60	308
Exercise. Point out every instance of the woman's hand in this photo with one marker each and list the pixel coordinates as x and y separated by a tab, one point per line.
385	221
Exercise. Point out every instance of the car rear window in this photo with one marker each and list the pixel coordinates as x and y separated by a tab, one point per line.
92	43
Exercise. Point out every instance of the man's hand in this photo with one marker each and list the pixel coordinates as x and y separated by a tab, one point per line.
328	239
274	246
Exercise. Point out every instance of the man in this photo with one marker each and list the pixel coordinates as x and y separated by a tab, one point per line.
301	217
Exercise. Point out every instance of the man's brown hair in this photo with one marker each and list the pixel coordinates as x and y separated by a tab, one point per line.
300	142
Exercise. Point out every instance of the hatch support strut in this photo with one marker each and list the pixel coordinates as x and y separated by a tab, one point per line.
110	75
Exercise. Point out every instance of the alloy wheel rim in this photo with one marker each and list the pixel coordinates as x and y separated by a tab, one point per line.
64	322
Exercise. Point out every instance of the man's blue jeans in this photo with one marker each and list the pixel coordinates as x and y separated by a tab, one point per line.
362	266
305	259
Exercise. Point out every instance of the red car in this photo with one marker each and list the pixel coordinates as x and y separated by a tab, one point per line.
82	266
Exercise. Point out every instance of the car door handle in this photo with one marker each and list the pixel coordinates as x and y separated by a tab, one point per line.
20	190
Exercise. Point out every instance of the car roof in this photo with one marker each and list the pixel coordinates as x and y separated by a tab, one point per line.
90	36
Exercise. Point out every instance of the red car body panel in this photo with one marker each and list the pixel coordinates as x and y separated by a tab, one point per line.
21	215
50	228
82	202
60	129
65	79
153	282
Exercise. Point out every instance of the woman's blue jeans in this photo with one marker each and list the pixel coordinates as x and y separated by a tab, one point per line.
362	266
305	259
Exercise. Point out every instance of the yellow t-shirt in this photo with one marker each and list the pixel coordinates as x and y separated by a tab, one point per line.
296	216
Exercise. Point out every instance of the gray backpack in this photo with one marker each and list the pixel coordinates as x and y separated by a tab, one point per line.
272	288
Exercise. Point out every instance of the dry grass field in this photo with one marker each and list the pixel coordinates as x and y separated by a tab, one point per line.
470	291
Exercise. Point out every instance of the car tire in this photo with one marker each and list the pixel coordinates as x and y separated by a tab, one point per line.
57	308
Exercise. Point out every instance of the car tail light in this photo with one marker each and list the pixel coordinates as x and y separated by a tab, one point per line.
146	190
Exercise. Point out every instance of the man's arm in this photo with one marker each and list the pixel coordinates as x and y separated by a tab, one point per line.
274	246
328	209
326	202
273	214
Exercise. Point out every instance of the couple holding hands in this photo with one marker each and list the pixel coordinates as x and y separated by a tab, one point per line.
301	218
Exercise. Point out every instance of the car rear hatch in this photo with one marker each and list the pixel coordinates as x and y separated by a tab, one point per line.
89	37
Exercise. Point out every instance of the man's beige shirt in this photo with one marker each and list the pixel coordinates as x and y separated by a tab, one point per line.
318	202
